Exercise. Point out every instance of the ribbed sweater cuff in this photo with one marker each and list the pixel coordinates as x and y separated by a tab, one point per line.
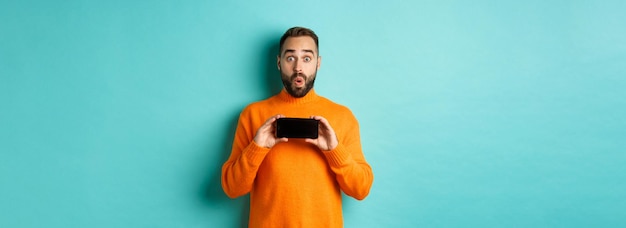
338	157
255	153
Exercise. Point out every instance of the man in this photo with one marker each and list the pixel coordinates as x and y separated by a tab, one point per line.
297	182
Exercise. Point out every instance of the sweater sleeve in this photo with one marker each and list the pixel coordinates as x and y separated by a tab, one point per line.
239	171
347	161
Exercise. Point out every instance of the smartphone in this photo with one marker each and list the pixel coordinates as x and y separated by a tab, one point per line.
297	128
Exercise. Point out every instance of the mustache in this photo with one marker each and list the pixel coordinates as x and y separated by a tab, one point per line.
295	75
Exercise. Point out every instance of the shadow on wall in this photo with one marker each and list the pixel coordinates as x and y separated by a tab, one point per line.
212	191
271	75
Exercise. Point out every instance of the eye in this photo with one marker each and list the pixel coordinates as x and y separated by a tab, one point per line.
290	58
307	59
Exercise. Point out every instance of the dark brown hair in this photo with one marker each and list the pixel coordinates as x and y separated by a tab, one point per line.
295	32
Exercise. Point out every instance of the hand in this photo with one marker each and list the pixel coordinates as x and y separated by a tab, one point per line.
266	136
327	139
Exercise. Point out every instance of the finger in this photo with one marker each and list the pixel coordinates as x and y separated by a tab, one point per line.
272	119
324	124
269	121
321	119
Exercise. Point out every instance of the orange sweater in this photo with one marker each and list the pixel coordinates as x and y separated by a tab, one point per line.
295	184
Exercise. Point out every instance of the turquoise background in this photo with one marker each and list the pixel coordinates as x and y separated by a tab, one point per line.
472	113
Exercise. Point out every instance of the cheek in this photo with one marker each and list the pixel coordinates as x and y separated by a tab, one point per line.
312	69
285	67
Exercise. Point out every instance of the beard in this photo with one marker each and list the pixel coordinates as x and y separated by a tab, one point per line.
292	89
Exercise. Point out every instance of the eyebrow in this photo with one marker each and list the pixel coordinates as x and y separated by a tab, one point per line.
305	50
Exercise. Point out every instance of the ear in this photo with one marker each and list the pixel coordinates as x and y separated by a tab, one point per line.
278	61
319	61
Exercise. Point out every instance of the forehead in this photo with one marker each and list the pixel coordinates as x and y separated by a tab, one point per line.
299	44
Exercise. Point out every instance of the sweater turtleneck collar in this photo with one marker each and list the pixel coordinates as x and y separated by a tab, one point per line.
309	97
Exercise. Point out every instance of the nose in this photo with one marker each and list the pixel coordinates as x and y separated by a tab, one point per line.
297	66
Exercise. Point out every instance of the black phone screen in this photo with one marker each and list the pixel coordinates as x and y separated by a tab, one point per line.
297	128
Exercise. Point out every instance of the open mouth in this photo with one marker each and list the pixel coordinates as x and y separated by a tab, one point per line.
298	81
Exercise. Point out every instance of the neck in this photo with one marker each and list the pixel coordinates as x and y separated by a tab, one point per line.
310	96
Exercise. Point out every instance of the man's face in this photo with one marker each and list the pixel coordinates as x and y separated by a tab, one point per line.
298	63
